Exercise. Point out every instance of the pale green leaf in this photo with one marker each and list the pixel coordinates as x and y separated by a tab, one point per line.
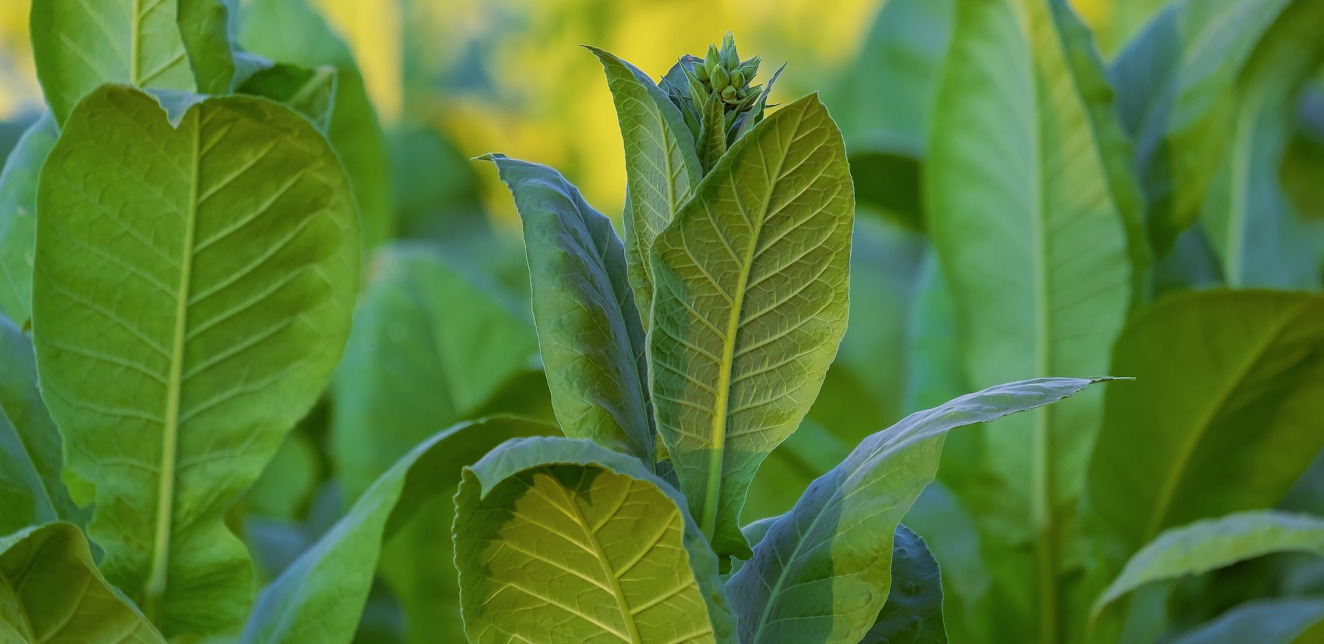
320	597
661	166
1215	543
913	612
823	571
79	45
18	217
589	330
751	303
560	540
204	29
1213	370
51	592
308	91
1288	620
194	289
712	136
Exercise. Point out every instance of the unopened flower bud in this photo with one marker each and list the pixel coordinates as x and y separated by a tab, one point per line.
713	61
750	68
701	72
737	79
729	56
719	78
730	94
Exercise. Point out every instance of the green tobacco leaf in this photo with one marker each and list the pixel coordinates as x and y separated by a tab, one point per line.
1212	369
1176	95
320	597
310	92
30	461
1215	543
751	303
291	31
589	329
913	612
51	591
204	29
18	217
712	137
1271	621
1122	21
430	345
194	289
823	571
561	540
79	45
661	166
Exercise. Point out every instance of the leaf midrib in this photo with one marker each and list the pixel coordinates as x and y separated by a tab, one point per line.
621	604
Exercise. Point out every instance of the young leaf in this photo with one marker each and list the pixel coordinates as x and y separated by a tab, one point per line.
561	540
1289	620
18	217
660	165
51	591
204	29
589	330
1215	543
913	612
30	461
712	133
751	303
1213	369
319	598
79	45
823	571
193	291
308	91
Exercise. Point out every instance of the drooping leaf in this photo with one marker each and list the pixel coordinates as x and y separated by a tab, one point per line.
1270	621
193	291
51	591
913	612
291	31
78	45
562	540
31	493
18	217
823	571
1214	543
320	597
751	303
308	91
661	166
589	330
1221	418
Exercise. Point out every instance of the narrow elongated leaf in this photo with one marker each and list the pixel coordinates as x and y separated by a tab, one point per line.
589	330
1213	370
661	166
320	597
79	45
1215	543
913	612
30	461
204	30
823	571
1271	621
751	304
18	217
561	540
51	591
194	289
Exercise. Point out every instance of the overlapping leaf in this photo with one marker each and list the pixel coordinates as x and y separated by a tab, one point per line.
18	217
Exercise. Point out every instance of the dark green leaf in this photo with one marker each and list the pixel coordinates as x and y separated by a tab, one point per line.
18	217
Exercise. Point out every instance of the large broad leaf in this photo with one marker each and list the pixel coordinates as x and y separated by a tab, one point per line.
561	540
79	45
660	163
51	591
751	303
320	597
430	345
291	31
18	217
1270	621
823	571
194	289
1206	545
589	331
30	461
1028	205
913	612
1223	415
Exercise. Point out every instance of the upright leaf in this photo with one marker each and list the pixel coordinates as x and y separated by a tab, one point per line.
319	598
51	591
204	30
661	166
561	540
823	571
193	291
751	303
1222	416
18	217
30	461
79	45
589	331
